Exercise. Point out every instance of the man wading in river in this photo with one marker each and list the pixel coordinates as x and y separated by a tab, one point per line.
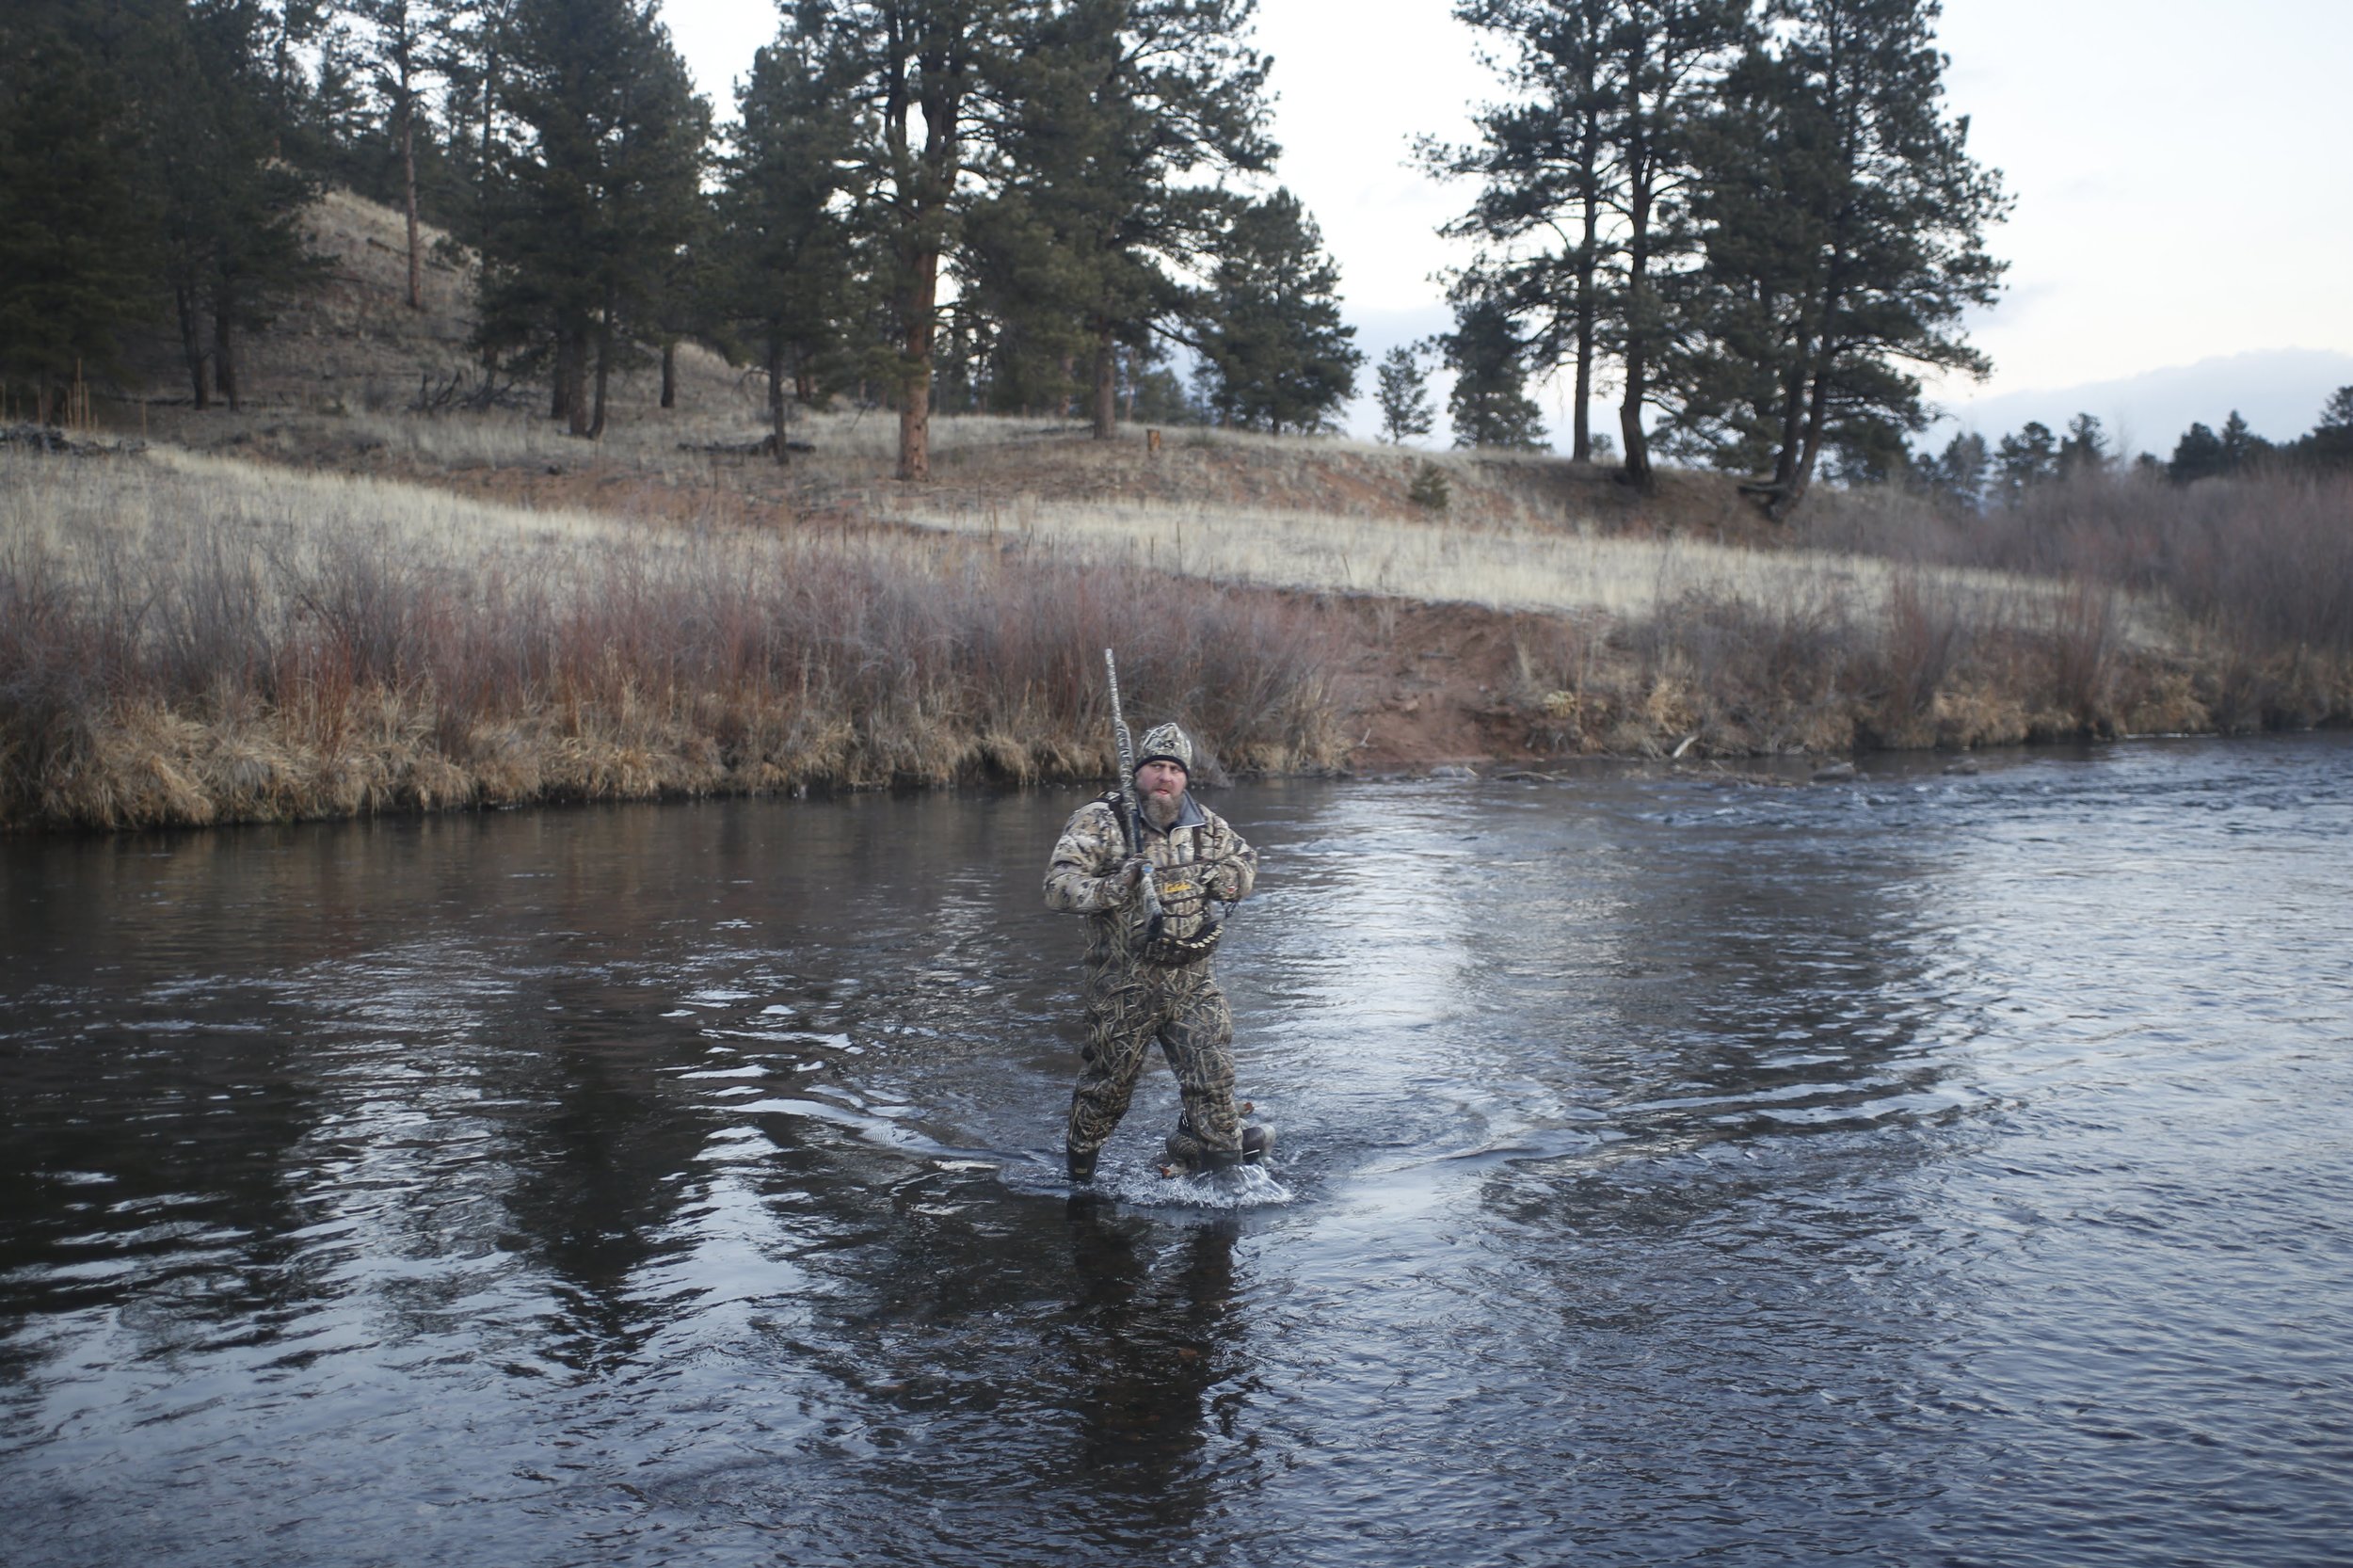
1153	871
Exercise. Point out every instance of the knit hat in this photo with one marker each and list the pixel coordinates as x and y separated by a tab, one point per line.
1166	743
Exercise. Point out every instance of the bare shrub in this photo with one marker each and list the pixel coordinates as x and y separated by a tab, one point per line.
2081	633
1925	638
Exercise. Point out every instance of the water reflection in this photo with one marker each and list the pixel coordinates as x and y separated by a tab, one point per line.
1154	1330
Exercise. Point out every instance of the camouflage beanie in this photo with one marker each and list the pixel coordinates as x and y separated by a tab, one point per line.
1166	743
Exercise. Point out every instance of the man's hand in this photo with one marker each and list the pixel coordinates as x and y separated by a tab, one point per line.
1131	871
1224	881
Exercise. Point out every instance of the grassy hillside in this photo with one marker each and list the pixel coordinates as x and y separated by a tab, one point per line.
334	601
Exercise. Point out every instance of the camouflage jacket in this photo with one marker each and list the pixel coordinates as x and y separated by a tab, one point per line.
1199	858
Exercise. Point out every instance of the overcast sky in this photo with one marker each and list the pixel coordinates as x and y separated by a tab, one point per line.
2178	169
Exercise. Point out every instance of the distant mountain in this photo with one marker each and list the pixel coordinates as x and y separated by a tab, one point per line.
2279	393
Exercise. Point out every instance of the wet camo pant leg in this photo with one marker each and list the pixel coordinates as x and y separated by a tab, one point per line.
1126	1010
1121	1016
1198	1039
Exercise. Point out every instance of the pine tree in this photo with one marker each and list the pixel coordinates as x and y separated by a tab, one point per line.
1845	226
1025	332
2241	446
229	242
2196	456
786	270
927	75
1119	121
1668	55
1548	181
401	41
1958	475
1273	349
2028	458
1489	406
292	34
140	145
600	199
1403	396
2084	449
1585	168
2330	443
1153	393
75	242
474	64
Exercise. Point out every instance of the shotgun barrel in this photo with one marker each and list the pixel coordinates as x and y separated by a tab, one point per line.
1129	809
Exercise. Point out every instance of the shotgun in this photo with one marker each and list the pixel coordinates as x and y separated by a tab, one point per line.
1128	808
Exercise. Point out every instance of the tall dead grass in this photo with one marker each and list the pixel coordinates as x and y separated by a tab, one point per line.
193	640
2255	576
1501	566
1919	665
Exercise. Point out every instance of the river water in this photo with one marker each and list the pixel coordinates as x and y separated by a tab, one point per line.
1930	1169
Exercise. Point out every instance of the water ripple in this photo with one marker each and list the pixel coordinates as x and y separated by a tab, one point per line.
1935	1169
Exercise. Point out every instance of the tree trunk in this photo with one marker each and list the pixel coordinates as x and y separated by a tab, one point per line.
1651	78
915	433
409	182
225	352
1792	428
775	399
1106	383
481	174
1806	402
915	408
576	389
1581	435
1785	501
1588	262
604	371
192	345
669	374
1640	191
559	394
1634	470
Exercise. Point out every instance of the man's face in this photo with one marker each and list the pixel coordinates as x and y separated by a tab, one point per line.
1161	783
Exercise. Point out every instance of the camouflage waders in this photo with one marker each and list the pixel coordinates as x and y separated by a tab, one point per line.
1138	990
1184	1010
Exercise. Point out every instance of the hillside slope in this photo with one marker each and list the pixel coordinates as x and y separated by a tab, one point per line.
335	363
666	610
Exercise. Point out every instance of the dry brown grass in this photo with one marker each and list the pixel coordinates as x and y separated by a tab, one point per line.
197	640
2248	580
1500	567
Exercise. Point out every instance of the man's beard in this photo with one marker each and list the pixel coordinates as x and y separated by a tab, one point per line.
1159	810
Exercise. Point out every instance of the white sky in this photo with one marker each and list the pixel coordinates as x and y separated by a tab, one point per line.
2178	166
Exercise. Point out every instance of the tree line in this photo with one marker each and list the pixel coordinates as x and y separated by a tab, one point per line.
1756	217
143	179
1753	221
1971	476
975	204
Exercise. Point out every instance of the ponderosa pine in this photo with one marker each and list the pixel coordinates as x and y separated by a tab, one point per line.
1275	353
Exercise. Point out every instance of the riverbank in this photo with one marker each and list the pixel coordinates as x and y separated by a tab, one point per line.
188	639
385	585
191	638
